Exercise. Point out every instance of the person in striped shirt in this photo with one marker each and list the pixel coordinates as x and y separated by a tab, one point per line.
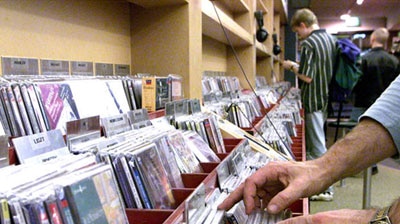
315	70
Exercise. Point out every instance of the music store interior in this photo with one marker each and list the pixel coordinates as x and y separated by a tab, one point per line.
153	111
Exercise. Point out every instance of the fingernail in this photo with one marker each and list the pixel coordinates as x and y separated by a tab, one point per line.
273	208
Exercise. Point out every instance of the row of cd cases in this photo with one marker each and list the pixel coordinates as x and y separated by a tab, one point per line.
158	185
145	164
275	127
25	109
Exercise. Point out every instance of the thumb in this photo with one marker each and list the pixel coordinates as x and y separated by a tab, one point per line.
282	200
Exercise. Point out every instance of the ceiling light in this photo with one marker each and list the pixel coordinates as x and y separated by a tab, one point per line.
353	21
345	16
359	2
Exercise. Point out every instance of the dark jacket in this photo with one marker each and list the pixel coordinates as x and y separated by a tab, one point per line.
379	69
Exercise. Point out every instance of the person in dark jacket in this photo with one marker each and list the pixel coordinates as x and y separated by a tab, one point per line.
379	69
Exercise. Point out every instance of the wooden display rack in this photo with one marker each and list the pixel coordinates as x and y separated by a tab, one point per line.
209	179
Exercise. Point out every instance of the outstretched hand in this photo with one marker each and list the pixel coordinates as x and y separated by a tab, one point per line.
277	185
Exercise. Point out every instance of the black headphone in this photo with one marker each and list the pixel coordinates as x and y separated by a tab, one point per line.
262	34
276	48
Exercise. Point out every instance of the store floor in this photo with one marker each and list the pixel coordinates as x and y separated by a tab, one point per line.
385	188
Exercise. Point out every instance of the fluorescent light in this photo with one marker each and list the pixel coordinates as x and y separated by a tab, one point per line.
352	21
345	16
359	2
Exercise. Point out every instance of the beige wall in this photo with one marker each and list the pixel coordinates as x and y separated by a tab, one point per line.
73	30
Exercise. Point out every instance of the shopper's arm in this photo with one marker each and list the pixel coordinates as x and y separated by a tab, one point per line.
368	143
279	184
294	67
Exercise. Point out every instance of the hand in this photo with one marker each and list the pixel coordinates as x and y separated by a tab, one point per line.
332	217
287	64
278	184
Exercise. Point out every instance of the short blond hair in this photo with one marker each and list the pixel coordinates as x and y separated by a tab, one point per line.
381	35
305	16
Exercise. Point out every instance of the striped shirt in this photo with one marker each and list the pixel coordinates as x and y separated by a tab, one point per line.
316	61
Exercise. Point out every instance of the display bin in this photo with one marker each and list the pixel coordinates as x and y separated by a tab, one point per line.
190	182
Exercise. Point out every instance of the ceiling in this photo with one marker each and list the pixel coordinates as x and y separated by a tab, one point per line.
372	13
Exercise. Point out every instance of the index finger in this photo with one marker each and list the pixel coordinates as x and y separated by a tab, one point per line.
233	198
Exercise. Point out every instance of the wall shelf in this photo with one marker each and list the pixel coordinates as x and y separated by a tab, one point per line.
158	3
262	50
212	27
235	6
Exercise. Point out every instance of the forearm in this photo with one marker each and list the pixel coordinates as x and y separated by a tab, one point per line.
368	143
303	77
294	67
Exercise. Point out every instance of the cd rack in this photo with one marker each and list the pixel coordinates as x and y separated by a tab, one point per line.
191	181
208	178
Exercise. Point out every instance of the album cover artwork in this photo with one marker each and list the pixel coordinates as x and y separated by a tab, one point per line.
200	148
78	195
149	87
168	159
123	184
175	90
155	177
53	210
132	182
144	196
59	104
104	98
185	158
109	197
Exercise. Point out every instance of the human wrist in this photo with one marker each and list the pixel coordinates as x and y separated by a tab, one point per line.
293	66
324	174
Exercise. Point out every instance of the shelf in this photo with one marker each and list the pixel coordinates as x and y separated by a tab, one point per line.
158	3
262	50
211	27
235	6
